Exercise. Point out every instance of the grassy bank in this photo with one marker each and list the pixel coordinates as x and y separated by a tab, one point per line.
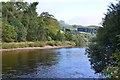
36	44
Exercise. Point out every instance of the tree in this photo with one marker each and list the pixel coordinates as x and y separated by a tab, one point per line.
13	14
26	22
9	34
105	45
60	36
51	25
42	31
79	40
114	69
33	22
68	35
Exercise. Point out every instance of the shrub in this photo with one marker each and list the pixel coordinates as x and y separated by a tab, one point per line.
51	43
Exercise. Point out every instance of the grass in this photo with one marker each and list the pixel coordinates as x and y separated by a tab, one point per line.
36	44
13	45
50	43
60	43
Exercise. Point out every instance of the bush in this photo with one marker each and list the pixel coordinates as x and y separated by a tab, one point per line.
51	43
39	44
9	45
58	43
22	45
36	44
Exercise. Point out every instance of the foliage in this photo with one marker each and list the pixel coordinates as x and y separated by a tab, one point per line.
105	45
36	44
21	23
60	36
22	20
79	40
113	70
68	35
51	25
51	43
9	33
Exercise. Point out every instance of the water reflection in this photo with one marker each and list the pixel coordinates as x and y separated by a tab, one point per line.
50	63
26	62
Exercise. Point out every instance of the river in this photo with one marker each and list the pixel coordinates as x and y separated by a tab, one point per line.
47	63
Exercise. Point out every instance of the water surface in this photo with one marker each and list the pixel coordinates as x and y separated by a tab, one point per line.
48	63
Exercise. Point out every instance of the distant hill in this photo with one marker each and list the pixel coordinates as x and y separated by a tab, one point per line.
88	32
65	25
91	29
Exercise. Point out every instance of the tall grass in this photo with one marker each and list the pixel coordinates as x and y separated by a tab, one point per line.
36	44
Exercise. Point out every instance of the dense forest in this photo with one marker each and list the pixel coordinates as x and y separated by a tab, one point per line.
104	50
21	23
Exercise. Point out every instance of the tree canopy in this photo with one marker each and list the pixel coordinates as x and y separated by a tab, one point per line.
105	45
22	23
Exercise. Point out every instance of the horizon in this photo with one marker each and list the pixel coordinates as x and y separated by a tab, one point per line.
74	12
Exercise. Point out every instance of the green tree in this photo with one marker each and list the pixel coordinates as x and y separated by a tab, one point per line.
33	24
13	14
42	31
114	69
68	35
26	22
79	40
52	26
105	45
9	34
60	36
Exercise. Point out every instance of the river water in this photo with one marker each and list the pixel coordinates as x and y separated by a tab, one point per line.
48	63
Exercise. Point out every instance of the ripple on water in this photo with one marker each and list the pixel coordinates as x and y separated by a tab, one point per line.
52	63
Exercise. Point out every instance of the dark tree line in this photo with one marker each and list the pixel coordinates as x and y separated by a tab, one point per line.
104	51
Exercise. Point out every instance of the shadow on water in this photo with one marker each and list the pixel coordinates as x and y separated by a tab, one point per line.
24	62
49	63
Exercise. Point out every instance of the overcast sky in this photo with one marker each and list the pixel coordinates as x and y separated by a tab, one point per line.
81	12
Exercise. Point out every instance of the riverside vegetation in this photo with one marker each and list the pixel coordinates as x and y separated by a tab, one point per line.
104	50
23	27
37	44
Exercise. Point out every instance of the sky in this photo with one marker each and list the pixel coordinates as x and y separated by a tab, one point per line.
79	12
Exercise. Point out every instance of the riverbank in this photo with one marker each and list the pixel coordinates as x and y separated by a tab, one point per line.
30	48
35	45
